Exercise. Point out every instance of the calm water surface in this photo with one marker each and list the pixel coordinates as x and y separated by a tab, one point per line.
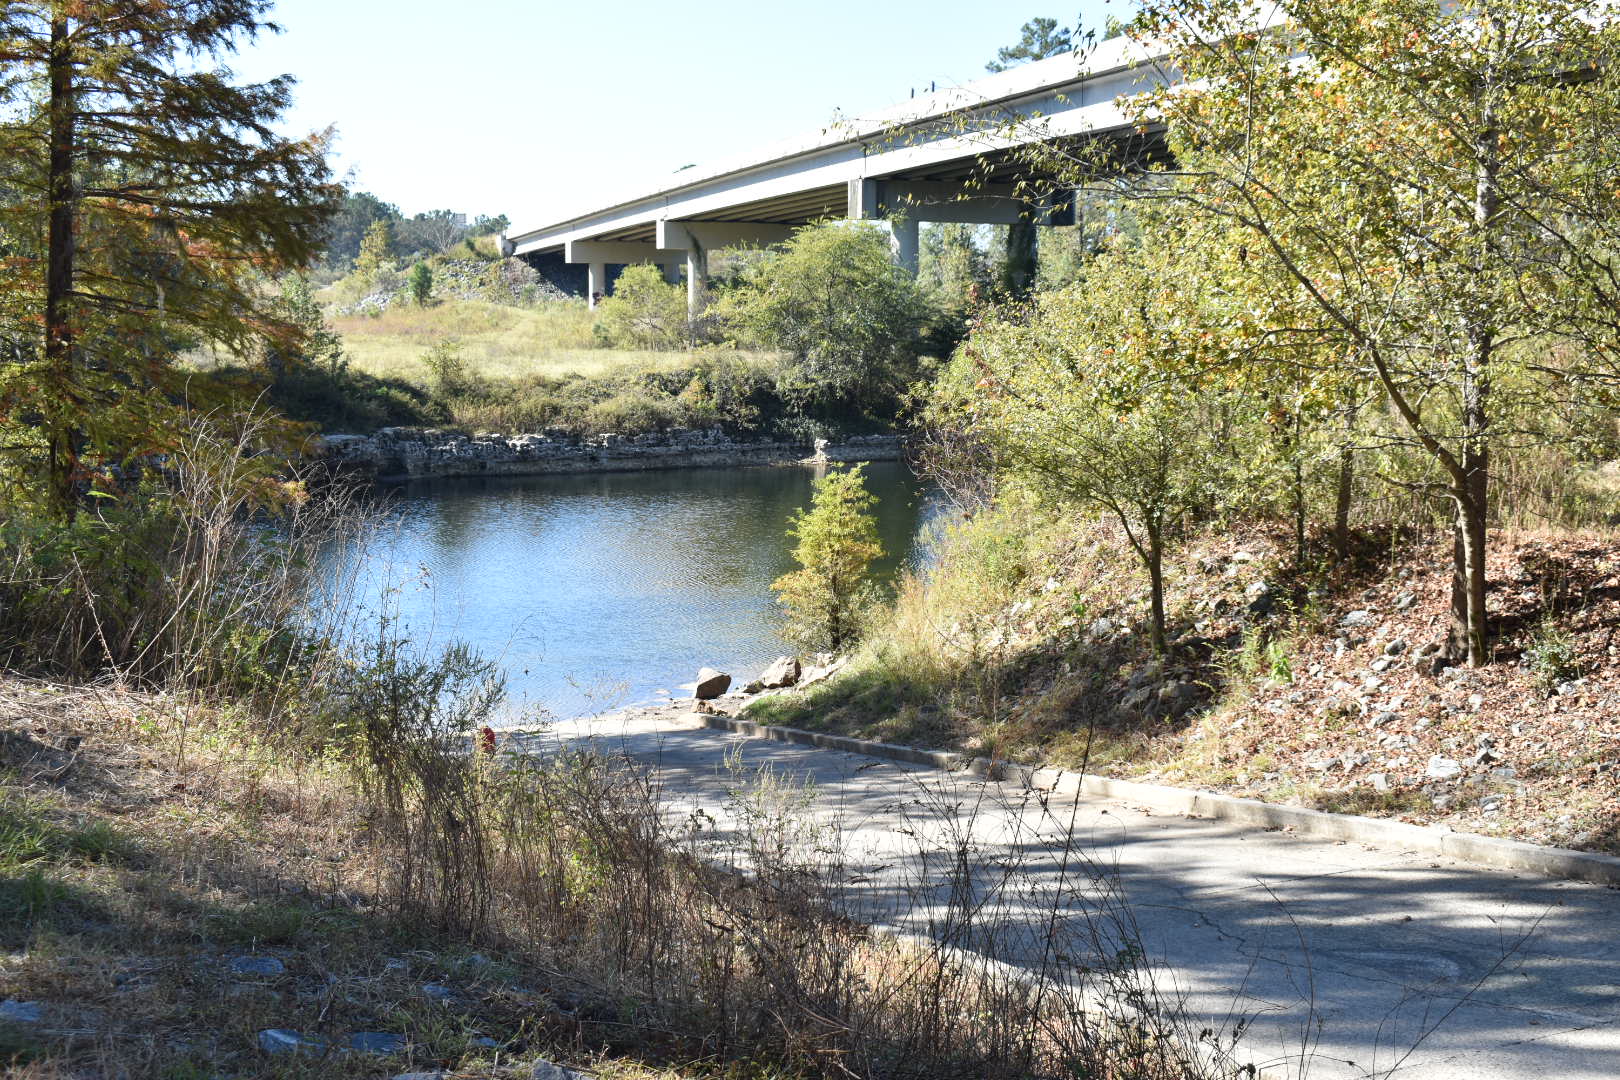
597	591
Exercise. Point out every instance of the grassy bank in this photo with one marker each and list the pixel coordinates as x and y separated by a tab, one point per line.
495	341
476	365
1314	684
822	337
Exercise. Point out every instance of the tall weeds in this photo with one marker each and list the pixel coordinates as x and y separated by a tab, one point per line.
746	934
202	576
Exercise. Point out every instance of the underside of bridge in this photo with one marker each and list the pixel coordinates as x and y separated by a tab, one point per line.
1014	187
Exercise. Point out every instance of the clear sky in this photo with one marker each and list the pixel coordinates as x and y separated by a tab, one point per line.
523	107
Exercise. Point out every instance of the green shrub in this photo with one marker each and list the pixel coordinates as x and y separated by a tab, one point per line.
1551	654
447	371
1263	655
643	312
421	283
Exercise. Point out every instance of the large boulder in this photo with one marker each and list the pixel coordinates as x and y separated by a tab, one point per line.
784	672
826	668
711	684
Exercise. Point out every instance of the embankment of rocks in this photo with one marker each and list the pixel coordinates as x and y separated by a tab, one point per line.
411	453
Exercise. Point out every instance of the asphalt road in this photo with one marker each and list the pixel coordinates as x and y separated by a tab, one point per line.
1345	960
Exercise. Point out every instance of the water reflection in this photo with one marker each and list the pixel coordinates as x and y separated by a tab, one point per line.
598	590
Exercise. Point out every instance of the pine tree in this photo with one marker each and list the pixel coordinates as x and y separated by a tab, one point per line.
838	543
142	197
421	283
1038	39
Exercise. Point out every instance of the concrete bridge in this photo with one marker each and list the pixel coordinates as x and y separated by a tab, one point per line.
951	155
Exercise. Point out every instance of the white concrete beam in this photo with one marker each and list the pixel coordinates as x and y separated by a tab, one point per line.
984	204
616	251
712	235
697	280
865	202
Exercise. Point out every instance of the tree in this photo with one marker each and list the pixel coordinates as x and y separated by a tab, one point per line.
421	283
952	267
484	225
1104	394
432	233
837	544
1439	183
644	311
316	345
1039	39
358	211
145	193
836	303
376	250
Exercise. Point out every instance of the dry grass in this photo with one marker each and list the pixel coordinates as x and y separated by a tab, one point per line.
207	853
497	341
135	866
605	932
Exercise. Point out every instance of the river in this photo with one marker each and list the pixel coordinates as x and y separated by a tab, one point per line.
597	591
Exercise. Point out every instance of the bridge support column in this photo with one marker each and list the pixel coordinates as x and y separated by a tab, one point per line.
697	280
672	272
903	243
698	238
595	282
597	255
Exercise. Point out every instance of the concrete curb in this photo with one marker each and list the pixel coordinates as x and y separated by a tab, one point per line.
1468	847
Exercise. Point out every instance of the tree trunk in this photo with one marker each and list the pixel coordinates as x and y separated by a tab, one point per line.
1471	492
1155	561
1299	511
1346	489
1468	618
1457	637
61	437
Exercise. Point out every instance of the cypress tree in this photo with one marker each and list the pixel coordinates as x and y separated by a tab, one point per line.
144	196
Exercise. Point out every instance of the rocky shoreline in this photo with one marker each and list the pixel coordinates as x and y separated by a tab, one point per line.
414	453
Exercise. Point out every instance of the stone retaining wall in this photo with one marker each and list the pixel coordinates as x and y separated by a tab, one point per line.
409	453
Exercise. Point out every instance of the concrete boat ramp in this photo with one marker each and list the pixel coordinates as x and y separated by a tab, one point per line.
1342	959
